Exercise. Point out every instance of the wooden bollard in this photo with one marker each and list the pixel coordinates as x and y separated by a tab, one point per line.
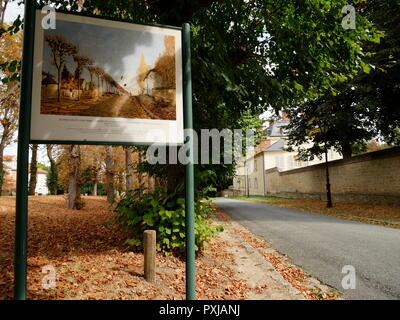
149	243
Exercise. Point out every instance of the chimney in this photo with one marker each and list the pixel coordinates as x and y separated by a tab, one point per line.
285	116
271	124
264	144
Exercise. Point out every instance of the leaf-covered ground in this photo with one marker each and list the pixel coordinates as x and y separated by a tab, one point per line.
385	215
91	261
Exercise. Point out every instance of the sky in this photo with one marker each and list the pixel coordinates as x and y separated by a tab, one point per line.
117	51
13	10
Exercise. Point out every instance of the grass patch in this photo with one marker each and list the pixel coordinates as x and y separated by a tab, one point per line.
259	198
385	215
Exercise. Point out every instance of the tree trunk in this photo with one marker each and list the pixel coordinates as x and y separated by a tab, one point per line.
79	88
140	174
94	191
128	168
346	150
1	167
2	12
59	85
5	134
53	184
175	174
74	188
33	170
110	174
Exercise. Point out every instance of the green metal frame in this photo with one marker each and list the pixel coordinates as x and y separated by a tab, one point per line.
189	168
21	209
105	143
21	213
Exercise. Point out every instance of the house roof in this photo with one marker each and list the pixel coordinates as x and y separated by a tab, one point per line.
49	80
277	146
40	170
277	128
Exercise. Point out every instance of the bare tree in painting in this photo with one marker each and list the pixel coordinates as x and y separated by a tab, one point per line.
112	85
92	72
60	48
107	78
99	74
81	63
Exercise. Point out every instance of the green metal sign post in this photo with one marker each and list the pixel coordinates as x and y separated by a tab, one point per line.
21	214
189	170
21	210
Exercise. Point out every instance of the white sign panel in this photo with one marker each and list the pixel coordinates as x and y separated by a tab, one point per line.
97	80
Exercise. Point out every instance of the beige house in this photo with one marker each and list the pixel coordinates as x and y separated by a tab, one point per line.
250	172
49	86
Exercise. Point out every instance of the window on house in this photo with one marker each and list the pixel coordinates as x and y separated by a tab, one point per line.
291	161
279	161
255	165
255	183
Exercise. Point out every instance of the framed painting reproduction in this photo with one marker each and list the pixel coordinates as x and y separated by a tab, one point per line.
106	81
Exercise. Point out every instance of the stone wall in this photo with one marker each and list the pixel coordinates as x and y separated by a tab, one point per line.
232	193
370	178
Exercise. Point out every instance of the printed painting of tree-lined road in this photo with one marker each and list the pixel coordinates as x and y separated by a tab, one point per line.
96	71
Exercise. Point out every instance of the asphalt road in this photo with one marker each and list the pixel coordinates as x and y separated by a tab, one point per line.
322	246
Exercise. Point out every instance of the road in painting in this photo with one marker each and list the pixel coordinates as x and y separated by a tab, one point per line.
97	71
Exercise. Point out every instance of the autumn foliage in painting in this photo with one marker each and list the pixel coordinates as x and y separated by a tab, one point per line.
82	80
165	65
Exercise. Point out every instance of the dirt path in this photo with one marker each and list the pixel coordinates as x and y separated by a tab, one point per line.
116	106
136	107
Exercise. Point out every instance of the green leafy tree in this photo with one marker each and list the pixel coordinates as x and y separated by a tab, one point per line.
327	122
379	89
248	56
365	105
